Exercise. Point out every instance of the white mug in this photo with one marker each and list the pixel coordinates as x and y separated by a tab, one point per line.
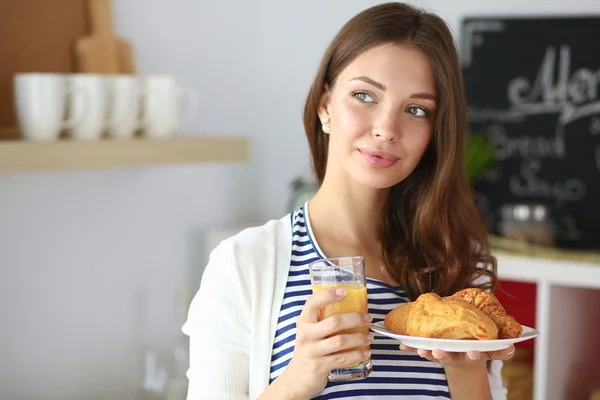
41	103
162	98
124	106
94	109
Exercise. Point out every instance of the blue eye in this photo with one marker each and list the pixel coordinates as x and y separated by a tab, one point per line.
363	97
418	111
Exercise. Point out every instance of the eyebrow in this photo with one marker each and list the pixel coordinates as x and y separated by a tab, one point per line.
371	82
424	96
382	87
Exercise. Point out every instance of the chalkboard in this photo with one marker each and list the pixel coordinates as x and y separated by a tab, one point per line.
533	89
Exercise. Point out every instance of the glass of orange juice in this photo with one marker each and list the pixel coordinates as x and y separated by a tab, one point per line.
346	273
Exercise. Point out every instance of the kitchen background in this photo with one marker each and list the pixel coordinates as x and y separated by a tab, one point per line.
97	266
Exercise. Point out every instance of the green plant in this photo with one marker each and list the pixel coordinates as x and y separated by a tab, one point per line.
480	158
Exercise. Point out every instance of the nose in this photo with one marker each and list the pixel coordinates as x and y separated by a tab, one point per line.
387	127
386	136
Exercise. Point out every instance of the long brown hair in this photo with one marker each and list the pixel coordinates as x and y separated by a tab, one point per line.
433	237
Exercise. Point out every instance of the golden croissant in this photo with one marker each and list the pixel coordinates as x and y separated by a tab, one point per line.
508	327
468	314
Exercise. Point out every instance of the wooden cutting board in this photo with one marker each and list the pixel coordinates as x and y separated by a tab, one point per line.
102	52
35	36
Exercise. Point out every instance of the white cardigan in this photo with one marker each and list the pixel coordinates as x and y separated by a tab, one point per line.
233	317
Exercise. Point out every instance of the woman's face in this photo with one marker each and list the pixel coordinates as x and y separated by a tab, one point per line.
381	110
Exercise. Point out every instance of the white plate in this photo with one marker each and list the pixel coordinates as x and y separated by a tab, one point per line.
455	345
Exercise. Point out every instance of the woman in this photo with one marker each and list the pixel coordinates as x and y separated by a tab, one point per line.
386	123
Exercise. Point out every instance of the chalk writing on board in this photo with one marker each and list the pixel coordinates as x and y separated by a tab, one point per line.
526	146
533	149
533	90
528	184
572	96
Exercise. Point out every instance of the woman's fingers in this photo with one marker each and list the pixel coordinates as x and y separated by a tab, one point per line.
474	355
449	358
407	348
344	359
342	342
310	311
442	356
504	354
425	354
341	322
313	329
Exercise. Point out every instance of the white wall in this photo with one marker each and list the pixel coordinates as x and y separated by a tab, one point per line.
79	251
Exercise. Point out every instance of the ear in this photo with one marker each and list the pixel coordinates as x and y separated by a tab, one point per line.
323	109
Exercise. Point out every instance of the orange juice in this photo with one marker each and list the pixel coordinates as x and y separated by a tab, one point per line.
354	301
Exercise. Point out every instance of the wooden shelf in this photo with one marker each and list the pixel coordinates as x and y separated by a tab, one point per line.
25	156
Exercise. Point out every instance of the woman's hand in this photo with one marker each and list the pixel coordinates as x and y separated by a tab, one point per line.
462	359
321	346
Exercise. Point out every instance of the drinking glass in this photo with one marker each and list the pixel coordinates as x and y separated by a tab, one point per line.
347	273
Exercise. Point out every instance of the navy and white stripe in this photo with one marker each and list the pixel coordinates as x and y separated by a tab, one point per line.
396	374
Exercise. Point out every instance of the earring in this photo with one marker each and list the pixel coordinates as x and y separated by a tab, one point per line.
324	122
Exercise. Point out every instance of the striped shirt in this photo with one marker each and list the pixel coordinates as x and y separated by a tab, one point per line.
396	374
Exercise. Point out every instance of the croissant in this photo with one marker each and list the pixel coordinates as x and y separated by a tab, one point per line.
468	314
397	320
448	318
508	327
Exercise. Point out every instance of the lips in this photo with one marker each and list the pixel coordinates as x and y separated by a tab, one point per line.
378	158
